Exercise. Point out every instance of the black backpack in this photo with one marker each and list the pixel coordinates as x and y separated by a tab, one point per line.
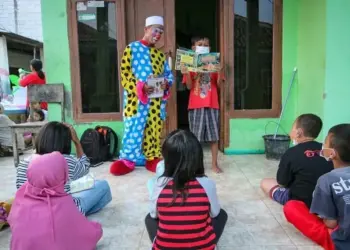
99	144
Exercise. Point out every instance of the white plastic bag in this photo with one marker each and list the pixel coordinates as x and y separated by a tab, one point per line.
84	183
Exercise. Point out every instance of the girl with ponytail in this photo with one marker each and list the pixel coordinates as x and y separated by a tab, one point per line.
37	76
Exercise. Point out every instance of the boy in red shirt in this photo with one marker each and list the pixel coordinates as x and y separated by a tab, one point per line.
203	106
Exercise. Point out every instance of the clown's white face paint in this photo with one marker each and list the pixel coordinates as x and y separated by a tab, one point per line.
156	34
153	34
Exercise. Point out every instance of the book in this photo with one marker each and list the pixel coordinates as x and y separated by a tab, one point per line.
207	62
156	83
84	183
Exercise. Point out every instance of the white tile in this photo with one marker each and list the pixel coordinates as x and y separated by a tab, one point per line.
254	223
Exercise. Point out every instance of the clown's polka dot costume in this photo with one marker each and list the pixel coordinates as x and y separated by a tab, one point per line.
143	121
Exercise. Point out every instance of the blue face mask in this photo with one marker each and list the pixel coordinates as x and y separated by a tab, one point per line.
202	49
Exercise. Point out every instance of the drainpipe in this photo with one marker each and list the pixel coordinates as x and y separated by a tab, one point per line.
34	52
15	7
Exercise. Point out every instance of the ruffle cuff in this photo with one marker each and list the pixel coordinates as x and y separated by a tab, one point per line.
140	93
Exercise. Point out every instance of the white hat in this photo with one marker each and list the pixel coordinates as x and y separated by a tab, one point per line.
154	20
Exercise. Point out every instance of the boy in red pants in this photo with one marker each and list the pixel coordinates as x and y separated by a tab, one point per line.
331	198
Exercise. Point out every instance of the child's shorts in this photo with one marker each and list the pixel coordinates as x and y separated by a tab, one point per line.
279	194
204	124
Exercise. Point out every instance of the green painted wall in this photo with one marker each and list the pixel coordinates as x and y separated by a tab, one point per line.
337	90
304	46
246	134
57	63
311	56
304	43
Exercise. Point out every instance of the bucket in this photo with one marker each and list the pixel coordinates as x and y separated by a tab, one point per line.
276	147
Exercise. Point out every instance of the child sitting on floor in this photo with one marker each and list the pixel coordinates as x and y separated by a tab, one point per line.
301	166
44	216
59	137
185	212
331	228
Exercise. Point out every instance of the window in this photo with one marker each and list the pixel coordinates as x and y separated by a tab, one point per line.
257	58
94	57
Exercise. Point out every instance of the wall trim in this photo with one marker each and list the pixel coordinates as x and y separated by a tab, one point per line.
229	151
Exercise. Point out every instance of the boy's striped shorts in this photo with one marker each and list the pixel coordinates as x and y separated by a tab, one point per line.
204	124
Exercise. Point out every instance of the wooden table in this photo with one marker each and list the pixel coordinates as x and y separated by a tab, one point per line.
32	127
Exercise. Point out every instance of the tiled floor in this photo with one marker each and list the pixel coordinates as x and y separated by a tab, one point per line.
254	223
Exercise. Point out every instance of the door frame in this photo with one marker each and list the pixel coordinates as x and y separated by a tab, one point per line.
134	21
170	51
223	12
168	45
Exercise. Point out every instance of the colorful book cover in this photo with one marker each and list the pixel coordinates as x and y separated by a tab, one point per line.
208	62
186	58
156	83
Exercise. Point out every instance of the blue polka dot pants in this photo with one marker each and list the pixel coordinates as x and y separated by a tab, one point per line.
142	132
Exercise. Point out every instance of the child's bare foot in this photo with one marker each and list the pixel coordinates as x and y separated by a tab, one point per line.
216	169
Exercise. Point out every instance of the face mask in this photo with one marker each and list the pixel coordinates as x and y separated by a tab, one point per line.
297	135
202	49
322	153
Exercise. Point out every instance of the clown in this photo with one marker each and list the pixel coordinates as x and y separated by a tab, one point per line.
143	116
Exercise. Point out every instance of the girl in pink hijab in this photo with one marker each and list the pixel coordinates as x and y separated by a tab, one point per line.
44	216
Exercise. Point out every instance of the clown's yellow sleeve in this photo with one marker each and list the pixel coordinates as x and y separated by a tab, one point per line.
128	79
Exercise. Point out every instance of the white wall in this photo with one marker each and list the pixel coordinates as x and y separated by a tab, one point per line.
28	21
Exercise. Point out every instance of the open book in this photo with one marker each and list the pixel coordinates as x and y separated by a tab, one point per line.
207	62
84	183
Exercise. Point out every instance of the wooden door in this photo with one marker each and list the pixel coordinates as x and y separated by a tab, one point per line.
137	12
224	12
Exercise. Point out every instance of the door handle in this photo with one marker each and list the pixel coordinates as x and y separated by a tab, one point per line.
170	59
170	62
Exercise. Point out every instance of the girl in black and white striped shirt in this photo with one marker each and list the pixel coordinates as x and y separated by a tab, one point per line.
56	136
